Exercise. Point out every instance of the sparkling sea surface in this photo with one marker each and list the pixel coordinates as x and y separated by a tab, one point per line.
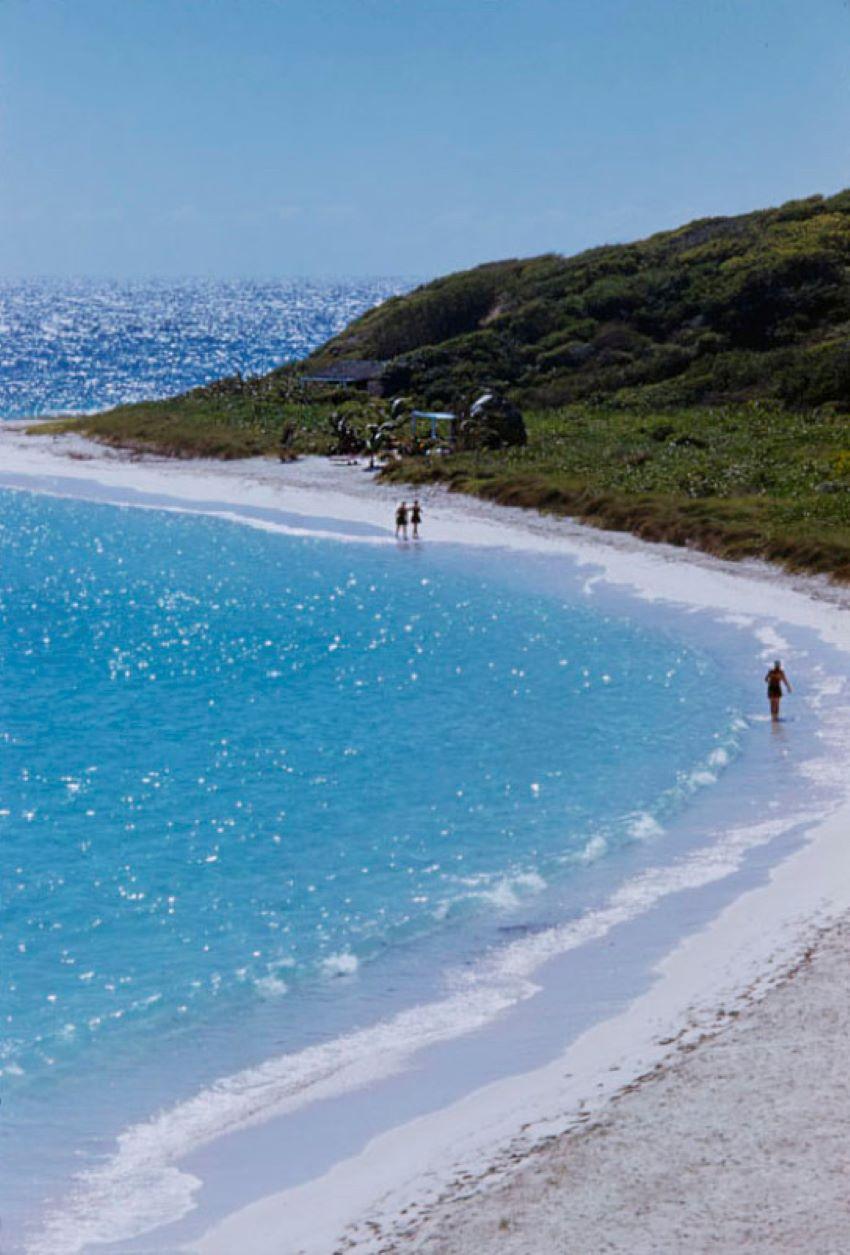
266	799
73	347
239	765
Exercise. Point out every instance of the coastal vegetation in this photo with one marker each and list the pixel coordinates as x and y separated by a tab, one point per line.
693	387
212	422
737	481
723	309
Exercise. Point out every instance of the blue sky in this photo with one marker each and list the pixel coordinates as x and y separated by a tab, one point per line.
410	137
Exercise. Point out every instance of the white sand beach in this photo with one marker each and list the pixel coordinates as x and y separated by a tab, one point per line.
710	1115
739	1144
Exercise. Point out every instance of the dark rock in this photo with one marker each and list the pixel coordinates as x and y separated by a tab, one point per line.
492	422
578	352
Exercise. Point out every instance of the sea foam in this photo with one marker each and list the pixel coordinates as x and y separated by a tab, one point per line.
142	1185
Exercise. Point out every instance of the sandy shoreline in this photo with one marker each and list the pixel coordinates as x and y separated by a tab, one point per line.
738	1145
546	1161
517	1144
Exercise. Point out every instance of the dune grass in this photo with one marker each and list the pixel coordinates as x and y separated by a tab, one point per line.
204	423
736	481
693	387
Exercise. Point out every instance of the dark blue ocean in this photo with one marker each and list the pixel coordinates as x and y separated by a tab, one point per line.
72	347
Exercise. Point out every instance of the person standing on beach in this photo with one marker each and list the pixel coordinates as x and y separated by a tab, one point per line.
774	680
401	521
416	518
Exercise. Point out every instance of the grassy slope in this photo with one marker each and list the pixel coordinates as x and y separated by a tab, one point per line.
205	423
736	481
692	387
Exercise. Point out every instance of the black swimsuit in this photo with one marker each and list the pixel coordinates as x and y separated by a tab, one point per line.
774	688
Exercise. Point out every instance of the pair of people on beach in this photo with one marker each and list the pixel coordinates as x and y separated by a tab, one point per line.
403	515
774	680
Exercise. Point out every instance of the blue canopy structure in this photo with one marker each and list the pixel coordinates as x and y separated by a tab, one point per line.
433	417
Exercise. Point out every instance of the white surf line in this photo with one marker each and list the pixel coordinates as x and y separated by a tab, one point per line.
313	487
396	1165
472	1144
141	1187
229	515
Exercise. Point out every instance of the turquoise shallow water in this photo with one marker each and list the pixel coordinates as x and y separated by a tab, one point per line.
251	760
277	812
237	766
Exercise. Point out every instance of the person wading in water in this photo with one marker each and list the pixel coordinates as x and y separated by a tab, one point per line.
416	518
401	521
774	680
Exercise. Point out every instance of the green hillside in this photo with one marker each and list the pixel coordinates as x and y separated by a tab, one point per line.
756	306
693	387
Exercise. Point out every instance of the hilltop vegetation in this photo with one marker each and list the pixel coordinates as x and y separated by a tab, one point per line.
724	309
693	387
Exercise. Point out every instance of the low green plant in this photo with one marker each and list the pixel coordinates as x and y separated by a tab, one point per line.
737	481
841	463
